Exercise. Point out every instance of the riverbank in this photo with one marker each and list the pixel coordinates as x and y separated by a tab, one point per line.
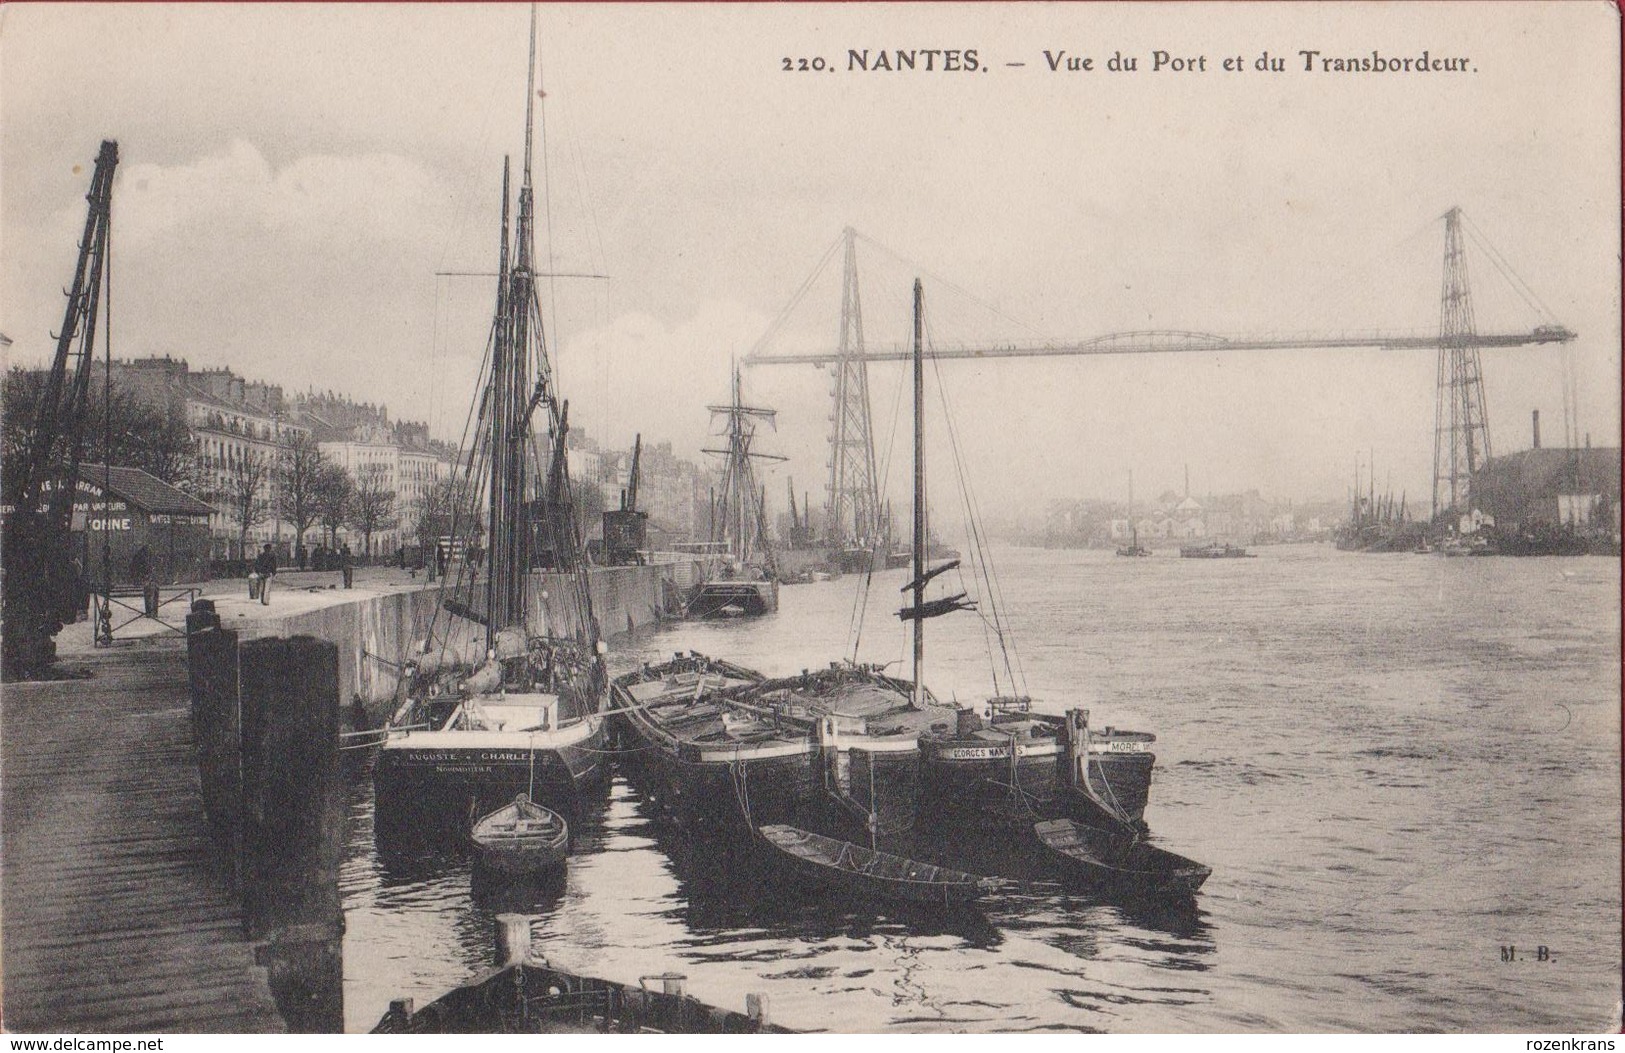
376	623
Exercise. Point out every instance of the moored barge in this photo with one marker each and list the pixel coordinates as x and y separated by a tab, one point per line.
706	755
1018	765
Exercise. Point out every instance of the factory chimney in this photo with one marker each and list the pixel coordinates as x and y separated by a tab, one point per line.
1537	428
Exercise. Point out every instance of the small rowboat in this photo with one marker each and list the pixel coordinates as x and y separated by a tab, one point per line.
828	861
1123	864
522	838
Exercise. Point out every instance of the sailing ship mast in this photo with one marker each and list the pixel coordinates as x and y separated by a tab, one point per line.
919	497
921	610
511	401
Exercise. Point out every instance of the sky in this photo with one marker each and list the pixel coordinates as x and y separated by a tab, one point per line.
297	183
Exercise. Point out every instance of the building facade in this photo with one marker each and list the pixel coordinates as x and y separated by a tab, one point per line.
1547	488
242	430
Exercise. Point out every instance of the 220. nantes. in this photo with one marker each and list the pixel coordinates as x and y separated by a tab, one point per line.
893	60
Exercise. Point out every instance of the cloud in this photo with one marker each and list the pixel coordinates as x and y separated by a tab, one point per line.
639	373
318	201
299	273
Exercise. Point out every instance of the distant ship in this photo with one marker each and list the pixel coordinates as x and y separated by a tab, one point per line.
748	582
1214	550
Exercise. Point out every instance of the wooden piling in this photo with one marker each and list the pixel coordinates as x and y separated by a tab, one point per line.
293	821
211	664
400	1013
513	939
292	840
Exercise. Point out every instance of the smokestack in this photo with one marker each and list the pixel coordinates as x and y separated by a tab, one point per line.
1536	415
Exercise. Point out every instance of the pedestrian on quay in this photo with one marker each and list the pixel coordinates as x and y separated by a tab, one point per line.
81	592
141	574
347	565
265	567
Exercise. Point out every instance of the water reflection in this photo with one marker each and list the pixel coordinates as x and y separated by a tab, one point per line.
724	903
1308	706
500	893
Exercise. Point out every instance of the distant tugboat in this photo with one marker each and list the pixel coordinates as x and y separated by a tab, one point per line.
1133	548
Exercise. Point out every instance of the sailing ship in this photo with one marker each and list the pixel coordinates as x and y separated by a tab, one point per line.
746	577
530	718
1379	524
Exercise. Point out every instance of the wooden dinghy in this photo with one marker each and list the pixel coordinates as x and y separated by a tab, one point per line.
522	838
1123	864
828	861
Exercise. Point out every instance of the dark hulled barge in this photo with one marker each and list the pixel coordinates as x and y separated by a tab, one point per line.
708	755
1019	765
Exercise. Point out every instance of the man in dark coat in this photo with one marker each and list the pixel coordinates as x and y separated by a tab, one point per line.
265	567
141	574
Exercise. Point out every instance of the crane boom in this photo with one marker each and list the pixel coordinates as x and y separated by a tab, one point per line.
40	583
1154	342
632	482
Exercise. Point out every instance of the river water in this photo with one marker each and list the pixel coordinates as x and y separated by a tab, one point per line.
1396	765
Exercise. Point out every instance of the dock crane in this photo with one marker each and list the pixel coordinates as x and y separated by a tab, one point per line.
41	583
626	529
632	481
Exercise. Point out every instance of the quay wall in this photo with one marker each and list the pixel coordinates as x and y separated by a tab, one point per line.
375	633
